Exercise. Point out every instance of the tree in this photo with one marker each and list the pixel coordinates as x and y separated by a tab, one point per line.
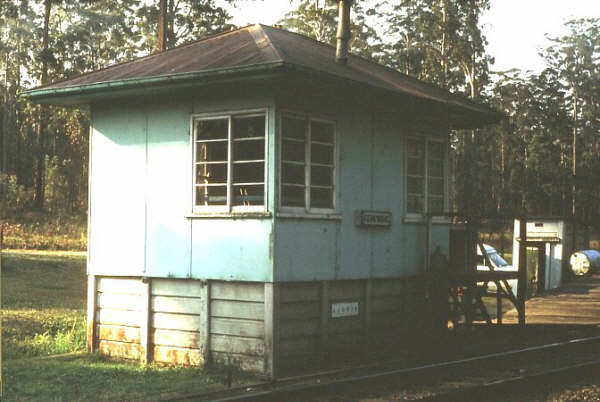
320	23
575	58
186	20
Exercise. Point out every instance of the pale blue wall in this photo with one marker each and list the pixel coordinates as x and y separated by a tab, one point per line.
141	195
371	177
117	190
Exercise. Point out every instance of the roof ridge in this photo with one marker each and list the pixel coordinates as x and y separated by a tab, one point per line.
260	35
146	57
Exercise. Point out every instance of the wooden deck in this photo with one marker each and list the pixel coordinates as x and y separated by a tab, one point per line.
575	303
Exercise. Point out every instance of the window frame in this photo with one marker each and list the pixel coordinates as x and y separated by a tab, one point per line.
307	211
426	138
229	208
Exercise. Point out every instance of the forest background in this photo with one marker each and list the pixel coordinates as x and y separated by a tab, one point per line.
544	159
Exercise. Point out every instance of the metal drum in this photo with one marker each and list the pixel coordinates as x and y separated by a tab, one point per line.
584	261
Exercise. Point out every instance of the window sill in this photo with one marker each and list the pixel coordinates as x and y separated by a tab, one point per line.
313	216
229	215
436	220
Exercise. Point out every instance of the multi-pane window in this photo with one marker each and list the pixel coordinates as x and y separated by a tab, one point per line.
307	163
229	162
425	175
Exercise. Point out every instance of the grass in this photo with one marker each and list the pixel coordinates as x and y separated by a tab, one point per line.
86	377
44	231
43	316
43	303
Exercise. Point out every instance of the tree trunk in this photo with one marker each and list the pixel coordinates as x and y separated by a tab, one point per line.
162	25
574	167
41	127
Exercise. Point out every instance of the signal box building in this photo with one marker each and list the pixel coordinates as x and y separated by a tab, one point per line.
251	200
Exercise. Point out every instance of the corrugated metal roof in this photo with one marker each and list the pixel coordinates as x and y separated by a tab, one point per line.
252	48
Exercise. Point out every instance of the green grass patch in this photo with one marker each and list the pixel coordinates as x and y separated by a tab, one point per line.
88	377
43	303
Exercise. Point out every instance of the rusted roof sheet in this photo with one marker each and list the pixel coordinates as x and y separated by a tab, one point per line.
250	49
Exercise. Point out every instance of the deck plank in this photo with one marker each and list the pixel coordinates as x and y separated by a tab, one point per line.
577	303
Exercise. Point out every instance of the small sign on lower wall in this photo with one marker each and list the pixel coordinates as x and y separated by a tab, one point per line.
344	309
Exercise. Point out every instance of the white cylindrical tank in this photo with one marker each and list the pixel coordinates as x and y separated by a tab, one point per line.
584	261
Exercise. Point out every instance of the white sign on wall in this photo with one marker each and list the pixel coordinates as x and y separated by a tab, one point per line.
344	309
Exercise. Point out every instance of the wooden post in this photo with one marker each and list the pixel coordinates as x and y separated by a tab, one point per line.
325	312
146	324
522	281
92	298
498	303
205	320
271	333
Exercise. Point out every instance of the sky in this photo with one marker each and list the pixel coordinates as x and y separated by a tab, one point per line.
516	29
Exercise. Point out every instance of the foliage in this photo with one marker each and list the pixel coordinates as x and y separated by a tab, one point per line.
319	22
46	148
46	231
14	198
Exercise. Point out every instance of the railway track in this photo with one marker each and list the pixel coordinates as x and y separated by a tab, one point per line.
493	373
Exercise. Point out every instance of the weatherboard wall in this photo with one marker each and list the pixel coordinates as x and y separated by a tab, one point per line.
141	221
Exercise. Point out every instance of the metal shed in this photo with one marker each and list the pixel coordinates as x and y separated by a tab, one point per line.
252	200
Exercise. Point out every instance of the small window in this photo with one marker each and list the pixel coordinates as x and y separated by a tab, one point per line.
425	176
307	163
229	160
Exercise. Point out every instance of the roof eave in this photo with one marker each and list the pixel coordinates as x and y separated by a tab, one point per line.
473	115
85	94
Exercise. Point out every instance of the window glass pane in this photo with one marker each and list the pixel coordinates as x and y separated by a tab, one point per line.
211	129
211	151
322	132
436	168
211	173
292	196
415	185
248	172
414	204
436	204
321	198
436	149
211	195
435	187
292	173
248	195
248	127
321	154
293	128
415	166
415	148
293	151
321	176
248	150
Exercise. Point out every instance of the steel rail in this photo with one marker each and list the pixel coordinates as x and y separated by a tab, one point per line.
527	383
289	388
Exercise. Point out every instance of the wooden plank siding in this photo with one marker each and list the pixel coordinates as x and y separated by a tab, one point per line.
118	318
389	313
269	328
237	324
177	320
